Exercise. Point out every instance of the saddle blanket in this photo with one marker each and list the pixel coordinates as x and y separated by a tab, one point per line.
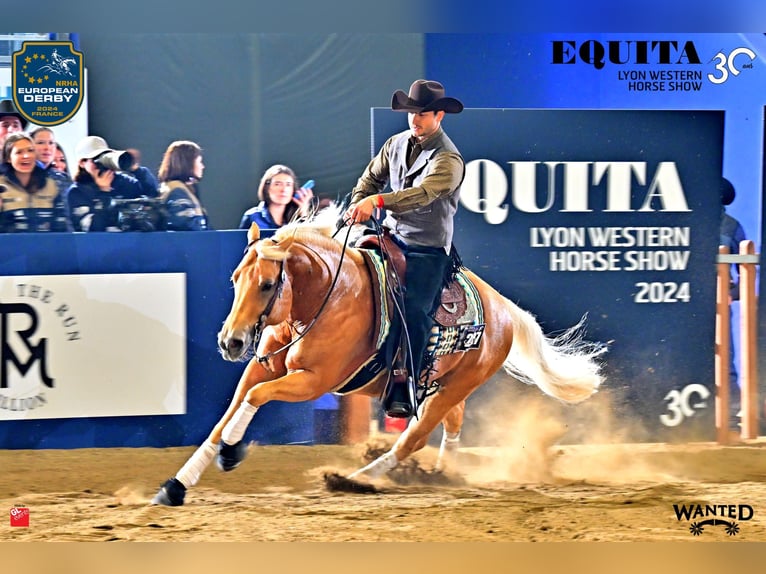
458	327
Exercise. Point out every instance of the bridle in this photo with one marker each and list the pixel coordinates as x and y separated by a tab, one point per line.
258	328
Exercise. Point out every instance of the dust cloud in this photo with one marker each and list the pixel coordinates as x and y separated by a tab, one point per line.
530	438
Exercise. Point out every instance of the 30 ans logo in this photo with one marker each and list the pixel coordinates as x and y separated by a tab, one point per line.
47	80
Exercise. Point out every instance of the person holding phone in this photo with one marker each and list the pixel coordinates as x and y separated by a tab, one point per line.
279	200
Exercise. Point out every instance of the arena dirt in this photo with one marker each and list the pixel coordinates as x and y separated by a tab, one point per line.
527	491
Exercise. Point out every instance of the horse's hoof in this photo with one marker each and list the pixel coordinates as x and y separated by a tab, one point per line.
172	493
230	455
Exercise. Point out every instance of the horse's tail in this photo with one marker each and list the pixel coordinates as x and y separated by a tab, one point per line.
564	367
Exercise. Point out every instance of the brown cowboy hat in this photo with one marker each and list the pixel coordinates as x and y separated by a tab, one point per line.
425	96
8	109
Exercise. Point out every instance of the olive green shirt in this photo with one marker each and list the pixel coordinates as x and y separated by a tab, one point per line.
445	177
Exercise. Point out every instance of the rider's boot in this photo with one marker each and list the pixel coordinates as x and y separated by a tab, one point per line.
398	401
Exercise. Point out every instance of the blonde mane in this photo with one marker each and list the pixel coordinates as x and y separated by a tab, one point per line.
318	230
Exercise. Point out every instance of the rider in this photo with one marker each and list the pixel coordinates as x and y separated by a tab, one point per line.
424	170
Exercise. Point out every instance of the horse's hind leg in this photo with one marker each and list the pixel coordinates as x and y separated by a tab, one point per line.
453	423
416	434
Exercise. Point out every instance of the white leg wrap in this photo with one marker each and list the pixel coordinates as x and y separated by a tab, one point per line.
377	467
196	465
447	449
236	427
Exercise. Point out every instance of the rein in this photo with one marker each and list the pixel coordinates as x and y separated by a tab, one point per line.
278	292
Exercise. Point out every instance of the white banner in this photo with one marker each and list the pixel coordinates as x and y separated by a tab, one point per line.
92	345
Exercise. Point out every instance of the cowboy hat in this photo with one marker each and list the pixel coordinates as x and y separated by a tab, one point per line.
425	96
8	109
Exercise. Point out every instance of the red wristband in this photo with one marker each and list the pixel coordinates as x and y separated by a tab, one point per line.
380	201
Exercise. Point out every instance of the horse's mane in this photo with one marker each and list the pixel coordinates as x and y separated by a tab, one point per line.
318	230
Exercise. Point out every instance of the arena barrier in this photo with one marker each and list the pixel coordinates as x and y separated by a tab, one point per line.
747	260
109	340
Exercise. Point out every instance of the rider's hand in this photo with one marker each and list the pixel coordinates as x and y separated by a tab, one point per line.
361	211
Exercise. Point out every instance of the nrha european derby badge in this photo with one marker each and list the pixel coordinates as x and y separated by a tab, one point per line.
47	82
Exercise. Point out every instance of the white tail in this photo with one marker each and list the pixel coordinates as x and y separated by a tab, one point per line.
564	367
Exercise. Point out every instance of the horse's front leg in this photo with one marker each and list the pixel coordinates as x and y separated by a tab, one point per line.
173	491
293	387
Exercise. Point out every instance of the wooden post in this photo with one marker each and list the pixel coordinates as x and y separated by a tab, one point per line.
355	413
722	342
748	371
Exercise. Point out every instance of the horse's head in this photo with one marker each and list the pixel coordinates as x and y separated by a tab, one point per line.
260	297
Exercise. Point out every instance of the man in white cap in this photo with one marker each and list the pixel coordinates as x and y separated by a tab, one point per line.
101	178
424	170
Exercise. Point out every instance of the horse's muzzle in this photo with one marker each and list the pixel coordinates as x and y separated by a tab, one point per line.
234	346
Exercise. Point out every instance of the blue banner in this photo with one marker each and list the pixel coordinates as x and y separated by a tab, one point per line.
610	213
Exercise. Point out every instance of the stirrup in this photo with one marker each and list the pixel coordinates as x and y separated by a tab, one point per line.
399	410
398	401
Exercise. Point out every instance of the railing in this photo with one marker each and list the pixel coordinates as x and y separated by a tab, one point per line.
747	260
10	43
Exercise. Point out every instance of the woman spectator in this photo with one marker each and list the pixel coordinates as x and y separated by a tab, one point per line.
60	162
30	200
45	146
280	202
179	174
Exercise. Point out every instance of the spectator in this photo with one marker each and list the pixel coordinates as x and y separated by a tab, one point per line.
279	203
10	121
142	173
180	172
45	146
60	162
732	233
30	200
89	200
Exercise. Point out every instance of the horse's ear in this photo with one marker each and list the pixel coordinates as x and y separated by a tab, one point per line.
254	233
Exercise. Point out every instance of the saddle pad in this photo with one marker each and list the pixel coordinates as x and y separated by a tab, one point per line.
378	277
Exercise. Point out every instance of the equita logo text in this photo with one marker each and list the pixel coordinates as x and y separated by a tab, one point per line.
47	82
621	52
705	517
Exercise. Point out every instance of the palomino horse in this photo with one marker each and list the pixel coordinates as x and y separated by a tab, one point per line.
303	302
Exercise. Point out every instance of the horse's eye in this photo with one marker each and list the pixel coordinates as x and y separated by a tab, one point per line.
267	286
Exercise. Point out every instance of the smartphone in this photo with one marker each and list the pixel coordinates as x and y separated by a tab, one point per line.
308	185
